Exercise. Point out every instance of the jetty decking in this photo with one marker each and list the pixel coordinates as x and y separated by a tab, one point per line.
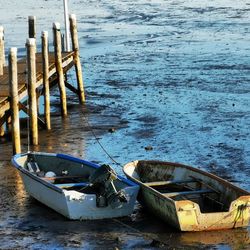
67	60
23	81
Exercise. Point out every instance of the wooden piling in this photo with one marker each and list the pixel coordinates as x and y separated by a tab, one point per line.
14	100
59	67
2	63
32	26
2	54
63	43
29	81
2	131
45	59
78	67
31	68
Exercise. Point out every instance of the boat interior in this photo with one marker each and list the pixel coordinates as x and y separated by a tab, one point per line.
73	174
180	182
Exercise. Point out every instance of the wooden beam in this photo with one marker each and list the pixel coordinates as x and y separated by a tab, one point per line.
2	62
16	141
59	67
5	117
164	183
45	57
32	26
71	88
2	53
78	67
26	110
31	66
193	192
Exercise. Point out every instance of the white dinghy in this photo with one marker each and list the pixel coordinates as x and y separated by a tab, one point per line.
76	188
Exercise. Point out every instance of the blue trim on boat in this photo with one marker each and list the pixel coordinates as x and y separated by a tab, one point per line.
72	158
32	176
127	181
91	164
80	184
65	157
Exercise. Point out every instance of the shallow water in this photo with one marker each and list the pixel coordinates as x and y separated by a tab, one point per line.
173	75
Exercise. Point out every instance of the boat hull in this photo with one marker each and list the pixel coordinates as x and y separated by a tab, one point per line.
70	203
185	214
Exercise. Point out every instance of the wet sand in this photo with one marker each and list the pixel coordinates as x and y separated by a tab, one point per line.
169	75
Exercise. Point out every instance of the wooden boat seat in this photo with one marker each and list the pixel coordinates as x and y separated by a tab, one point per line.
68	185
163	183
191	192
64	177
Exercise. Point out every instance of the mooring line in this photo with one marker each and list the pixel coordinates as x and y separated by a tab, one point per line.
100	144
95	136
145	235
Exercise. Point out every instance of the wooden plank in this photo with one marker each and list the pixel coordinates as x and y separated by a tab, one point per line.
45	65
68	62
78	67
204	184
163	183
71	88
26	110
21	67
59	68
32	100
16	140
200	191
69	185
64	177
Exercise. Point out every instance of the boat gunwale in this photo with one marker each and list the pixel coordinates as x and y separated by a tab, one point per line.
32	176
59	156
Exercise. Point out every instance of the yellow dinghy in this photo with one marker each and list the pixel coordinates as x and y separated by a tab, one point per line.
188	198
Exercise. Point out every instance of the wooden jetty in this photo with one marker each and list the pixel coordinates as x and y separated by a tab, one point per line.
23	81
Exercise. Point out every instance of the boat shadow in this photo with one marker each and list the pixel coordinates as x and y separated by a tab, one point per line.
141	229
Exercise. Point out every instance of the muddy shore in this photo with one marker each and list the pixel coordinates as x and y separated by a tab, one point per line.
170	76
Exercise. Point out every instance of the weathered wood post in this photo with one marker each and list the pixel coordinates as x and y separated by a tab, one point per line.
45	59
63	43
14	100
59	67
32	34
2	54
66	21
78	67
32	26
31	68
2	62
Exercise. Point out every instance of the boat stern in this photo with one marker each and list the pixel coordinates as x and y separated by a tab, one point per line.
191	219
240	211
83	206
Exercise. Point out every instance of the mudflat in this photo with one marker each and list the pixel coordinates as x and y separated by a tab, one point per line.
166	80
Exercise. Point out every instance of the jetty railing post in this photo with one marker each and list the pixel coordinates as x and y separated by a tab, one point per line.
1	67
78	67
59	67
32	26
2	63
31	68
45	59
66	21
14	100
2	53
